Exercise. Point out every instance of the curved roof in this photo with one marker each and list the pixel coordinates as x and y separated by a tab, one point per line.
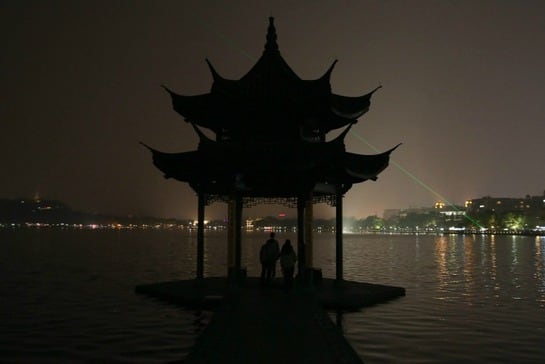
270	96
275	124
246	169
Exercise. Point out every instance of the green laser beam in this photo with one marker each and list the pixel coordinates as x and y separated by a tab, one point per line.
418	180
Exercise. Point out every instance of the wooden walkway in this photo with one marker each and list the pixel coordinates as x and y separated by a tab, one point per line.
254	324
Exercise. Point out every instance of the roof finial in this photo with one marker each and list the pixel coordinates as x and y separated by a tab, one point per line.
271	36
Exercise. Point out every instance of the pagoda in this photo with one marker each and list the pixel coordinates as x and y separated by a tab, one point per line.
270	146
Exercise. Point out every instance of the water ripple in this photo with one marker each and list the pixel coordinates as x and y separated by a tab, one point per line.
468	299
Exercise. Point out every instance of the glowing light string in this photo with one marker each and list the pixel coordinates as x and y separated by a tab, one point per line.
417	180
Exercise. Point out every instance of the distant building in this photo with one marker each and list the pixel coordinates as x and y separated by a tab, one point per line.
249	224
489	213
500	205
390	213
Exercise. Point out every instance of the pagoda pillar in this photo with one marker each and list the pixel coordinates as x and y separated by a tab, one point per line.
300	236
308	233
231	238
338	235
238	235
234	238
200	235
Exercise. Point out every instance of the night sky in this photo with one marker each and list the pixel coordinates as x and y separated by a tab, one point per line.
463	90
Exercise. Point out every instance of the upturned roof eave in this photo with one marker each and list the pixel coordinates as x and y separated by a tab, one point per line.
198	109
351	107
342	168
270	90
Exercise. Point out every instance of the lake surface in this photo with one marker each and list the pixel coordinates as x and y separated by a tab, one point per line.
68	295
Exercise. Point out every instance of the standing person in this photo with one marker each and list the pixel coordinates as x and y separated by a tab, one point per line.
267	256
287	262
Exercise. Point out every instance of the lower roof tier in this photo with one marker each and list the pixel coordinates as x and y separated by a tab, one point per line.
277	173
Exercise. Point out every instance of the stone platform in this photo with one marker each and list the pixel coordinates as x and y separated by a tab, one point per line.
264	324
209	293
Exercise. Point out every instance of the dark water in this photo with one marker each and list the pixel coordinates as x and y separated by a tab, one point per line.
67	295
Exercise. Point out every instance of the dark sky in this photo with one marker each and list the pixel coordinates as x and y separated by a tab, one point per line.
463	90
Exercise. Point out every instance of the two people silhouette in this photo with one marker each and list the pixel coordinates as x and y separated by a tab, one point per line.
270	252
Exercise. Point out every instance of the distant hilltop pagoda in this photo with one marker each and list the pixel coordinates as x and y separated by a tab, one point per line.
270	144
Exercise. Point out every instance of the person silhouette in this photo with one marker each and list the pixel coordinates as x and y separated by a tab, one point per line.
287	263
267	256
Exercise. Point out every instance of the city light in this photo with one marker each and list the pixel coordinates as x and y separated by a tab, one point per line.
416	179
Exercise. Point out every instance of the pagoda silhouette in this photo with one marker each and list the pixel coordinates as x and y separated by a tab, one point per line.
270	146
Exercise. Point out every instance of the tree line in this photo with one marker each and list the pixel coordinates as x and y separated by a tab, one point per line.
431	220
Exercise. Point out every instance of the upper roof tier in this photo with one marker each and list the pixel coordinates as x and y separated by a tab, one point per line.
271	101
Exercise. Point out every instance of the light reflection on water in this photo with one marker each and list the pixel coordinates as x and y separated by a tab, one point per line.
469	299
69	295
539	264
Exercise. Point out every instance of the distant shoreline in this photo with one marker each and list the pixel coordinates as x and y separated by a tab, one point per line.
44	226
